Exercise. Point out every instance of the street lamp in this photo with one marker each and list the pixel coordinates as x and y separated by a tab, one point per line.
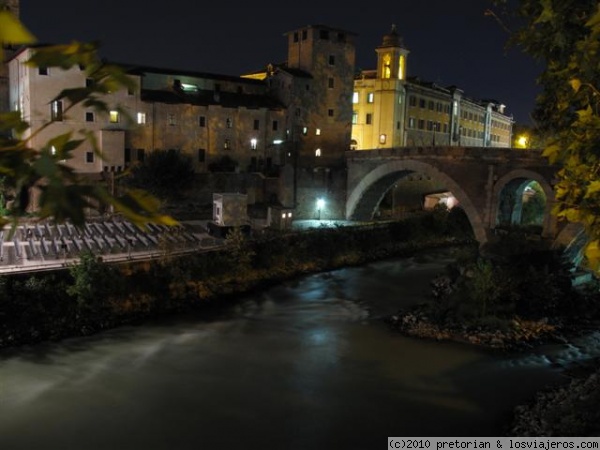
320	205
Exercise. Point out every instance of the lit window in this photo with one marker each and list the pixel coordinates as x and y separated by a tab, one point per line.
355	97
354	117
141	118
304	131
53	150
56	111
253	143
370	97
171	119
283	215
318	131
382	138
114	116
226	144
318	153
289	215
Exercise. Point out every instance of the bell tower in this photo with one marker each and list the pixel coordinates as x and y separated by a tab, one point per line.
391	57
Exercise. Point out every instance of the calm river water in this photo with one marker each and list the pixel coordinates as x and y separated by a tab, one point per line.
305	365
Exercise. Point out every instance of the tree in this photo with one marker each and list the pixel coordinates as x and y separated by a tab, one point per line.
565	36
64	195
164	173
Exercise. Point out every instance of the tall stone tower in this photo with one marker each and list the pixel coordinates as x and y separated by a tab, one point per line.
9	51
316	86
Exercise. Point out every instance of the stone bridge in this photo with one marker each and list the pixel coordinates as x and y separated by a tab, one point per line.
475	176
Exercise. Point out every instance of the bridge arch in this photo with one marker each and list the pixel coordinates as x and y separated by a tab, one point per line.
523	176
368	193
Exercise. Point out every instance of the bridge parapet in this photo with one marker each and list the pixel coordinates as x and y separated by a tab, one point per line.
477	153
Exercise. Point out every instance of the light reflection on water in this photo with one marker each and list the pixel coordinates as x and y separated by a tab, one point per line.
307	364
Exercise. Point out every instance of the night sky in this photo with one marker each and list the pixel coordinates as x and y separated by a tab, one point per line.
451	42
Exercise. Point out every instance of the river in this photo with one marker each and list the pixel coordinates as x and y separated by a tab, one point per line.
308	364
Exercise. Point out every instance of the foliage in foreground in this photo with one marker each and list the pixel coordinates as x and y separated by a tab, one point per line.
564	35
64	195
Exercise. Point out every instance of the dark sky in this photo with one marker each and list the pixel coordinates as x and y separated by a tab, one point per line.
451	41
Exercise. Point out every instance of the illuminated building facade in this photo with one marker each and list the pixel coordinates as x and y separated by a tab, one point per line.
391	109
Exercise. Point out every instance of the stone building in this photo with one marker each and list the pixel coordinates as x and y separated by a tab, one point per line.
391	109
280	133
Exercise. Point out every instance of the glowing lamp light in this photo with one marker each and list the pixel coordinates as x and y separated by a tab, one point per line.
320	203
278	141
522	141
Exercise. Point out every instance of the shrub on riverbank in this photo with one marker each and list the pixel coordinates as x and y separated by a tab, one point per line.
516	292
92	296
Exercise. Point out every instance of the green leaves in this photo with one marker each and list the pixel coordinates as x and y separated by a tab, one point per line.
62	194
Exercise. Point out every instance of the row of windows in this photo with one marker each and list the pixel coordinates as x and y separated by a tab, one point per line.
323	35
501	125
356	97
413	100
56	115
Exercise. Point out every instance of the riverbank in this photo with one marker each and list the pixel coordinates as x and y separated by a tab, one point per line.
94	296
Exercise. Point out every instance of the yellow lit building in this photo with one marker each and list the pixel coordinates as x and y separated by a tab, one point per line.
391	109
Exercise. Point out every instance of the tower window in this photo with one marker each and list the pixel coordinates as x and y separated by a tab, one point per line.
330	112
256	124
332	60
304	35
330	83
296	37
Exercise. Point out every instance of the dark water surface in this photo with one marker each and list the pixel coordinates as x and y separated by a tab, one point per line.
305	365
